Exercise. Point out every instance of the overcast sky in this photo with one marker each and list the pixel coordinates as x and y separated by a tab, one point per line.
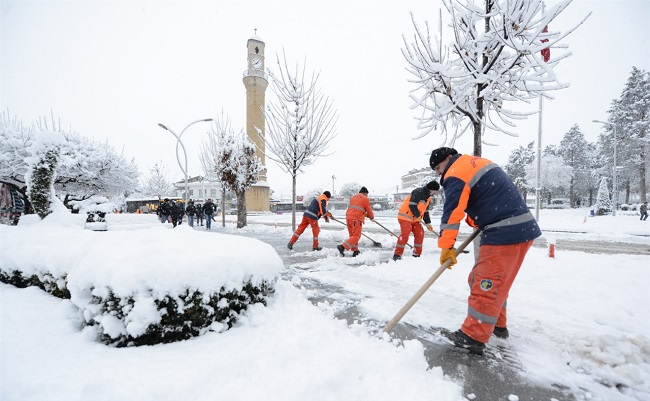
114	70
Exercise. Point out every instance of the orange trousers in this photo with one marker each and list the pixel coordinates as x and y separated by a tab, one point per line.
315	229
354	231
490	281
406	228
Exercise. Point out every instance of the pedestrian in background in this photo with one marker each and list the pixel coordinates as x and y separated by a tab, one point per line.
177	213
482	191
413	211
199	214
208	210
355	216
165	211
644	211
316	209
190	211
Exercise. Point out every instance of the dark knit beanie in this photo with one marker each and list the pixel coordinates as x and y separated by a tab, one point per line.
363	190
433	186
440	154
328	194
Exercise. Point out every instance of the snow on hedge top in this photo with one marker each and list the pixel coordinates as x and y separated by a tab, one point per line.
128	261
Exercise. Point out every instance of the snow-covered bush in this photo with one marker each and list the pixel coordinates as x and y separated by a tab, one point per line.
137	286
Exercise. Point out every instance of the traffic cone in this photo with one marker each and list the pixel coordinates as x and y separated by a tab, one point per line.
551	251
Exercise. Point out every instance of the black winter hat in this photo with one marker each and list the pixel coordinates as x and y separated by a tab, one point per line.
433	186
363	190
328	194
440	154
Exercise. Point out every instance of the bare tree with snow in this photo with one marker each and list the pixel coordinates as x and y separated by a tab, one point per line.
300	123
230	159
492	60
157	183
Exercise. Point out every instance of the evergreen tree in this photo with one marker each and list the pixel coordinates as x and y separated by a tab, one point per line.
574	151
631	114
40	182
516	168
603	203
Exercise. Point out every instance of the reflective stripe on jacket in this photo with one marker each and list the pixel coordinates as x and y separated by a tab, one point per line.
358	208
415	205
317	208
481	189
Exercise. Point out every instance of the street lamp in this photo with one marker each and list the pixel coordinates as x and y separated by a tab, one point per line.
333	178
614	183
178	141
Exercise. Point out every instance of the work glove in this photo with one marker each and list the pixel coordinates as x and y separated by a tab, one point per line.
418	219
327	219
448	254
430	227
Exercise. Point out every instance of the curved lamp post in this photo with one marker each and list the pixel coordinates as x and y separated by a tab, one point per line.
614	183
178	141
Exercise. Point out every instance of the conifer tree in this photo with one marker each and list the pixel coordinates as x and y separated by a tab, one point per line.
603	203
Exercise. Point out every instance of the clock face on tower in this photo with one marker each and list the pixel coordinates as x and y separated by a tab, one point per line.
256	63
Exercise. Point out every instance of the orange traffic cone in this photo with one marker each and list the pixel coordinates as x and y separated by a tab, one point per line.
551	251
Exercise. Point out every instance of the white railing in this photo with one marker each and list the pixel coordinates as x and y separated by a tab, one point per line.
255	73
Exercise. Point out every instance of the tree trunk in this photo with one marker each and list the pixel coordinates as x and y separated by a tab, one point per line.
642	186
241	209
293	201
223	206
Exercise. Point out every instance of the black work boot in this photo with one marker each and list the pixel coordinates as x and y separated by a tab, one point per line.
416	256
462	340
355	253
290	246
341	249
501	332
397	257
317	248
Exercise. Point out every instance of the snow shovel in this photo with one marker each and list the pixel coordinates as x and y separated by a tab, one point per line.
393	322
374	243
391	233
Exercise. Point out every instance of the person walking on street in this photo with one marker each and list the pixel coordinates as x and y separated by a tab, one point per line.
190	210
199	214
208	210
355	216
316	209
644	211
165	211
177	213
413	211
479	189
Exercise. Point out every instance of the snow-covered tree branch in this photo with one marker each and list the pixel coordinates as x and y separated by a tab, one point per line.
493	61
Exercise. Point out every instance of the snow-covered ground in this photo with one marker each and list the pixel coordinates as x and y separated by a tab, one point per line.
580	320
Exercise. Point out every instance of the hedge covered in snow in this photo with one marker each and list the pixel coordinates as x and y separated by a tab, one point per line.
145	283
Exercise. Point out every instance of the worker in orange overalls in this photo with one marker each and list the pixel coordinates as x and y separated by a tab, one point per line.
482	191
413	211
358	209
316	209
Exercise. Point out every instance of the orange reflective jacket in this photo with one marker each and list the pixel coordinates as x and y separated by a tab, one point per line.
358	208
415	205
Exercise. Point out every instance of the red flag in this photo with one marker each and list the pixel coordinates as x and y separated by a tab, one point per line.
546	52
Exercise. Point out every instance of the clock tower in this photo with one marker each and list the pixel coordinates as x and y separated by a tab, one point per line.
255	81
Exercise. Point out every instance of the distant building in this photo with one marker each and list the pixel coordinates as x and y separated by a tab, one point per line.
201	189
